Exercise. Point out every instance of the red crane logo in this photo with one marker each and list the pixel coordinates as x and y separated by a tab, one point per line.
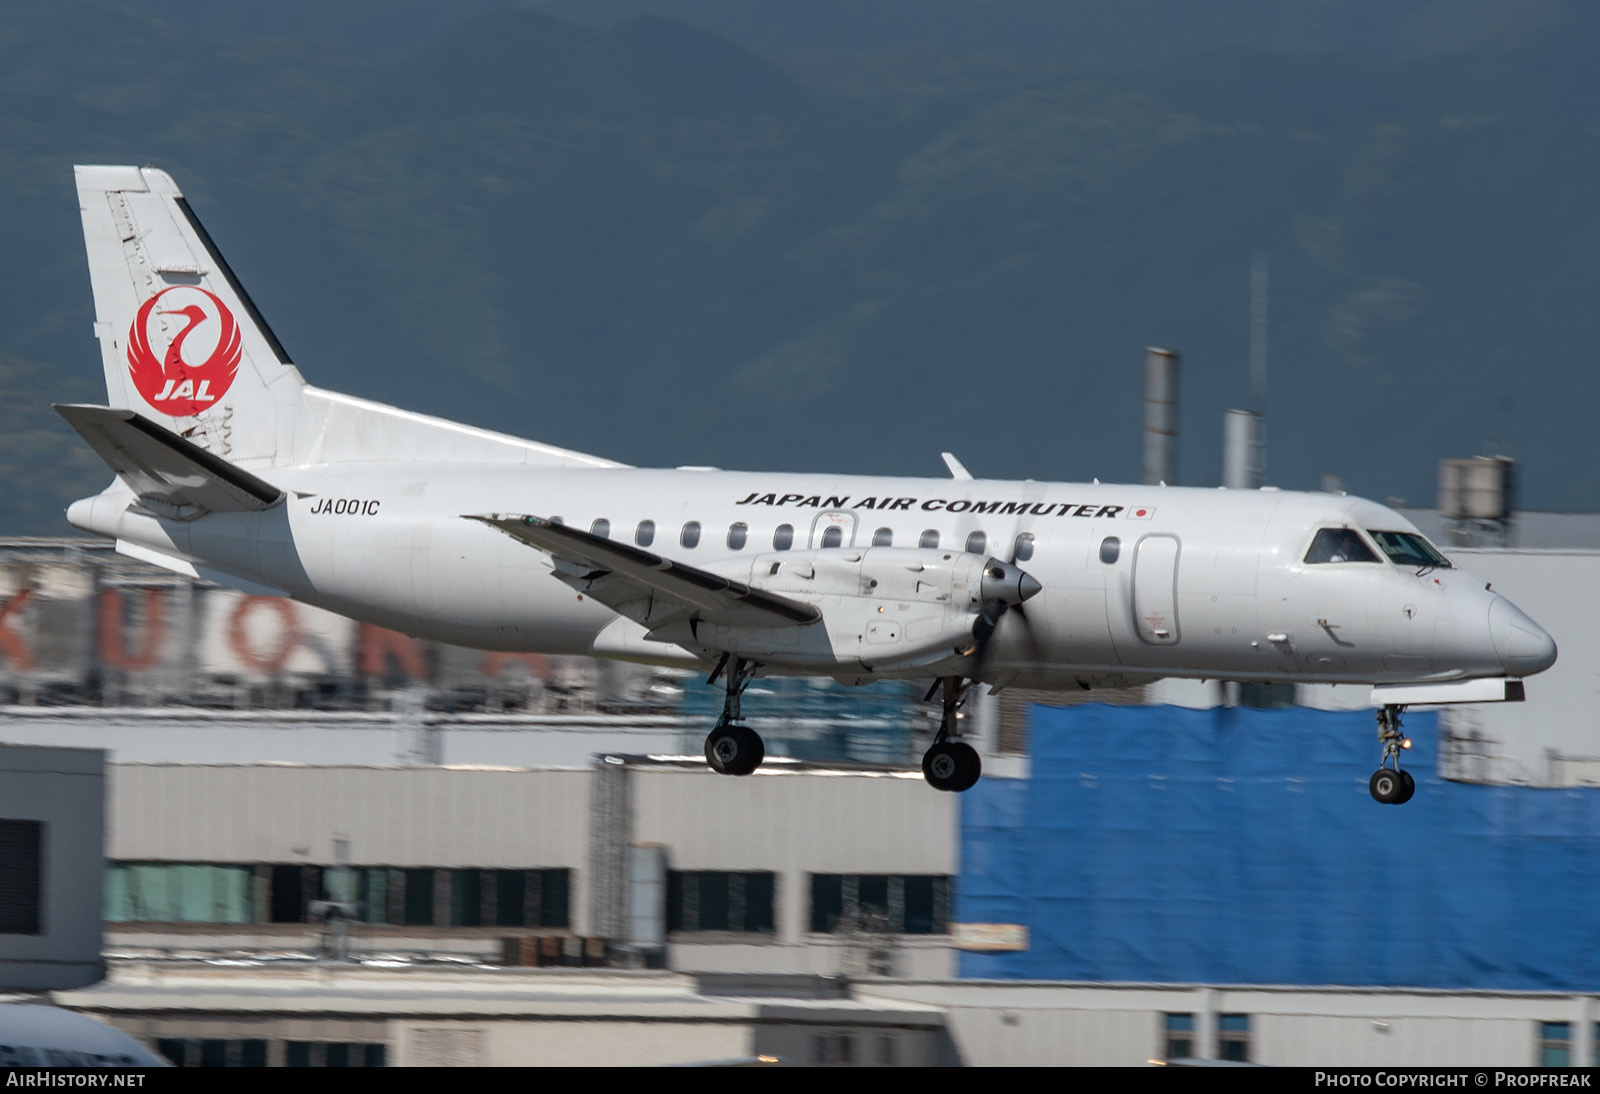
173	382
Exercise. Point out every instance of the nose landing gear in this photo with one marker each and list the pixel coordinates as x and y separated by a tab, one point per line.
951	764
733	749
1389	784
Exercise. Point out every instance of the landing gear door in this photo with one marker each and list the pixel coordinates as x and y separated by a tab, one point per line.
1155	590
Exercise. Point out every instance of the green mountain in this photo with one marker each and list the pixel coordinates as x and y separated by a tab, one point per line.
647	239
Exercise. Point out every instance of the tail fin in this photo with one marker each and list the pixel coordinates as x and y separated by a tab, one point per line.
184	346
181	341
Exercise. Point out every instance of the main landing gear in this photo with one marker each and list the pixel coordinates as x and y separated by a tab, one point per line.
1389	784
951	764
733	749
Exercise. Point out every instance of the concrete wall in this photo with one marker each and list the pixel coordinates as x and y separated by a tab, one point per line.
1053	1024
64	791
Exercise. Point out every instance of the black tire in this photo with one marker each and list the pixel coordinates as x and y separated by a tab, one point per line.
953	766
734	750
1409	790
1387	786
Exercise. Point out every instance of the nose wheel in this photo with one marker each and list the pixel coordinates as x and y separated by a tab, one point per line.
951	764
1389	784
731	748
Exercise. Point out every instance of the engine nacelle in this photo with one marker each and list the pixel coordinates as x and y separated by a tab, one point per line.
883	608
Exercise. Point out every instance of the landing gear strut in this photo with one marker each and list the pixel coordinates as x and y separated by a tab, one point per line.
1389	784
951	764
733	749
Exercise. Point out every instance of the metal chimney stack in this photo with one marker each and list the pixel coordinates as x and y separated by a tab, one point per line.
1239	432
1160	416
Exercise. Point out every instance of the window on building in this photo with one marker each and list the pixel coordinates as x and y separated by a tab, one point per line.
21	842
883	537
1555	1044
1266	696
783	537
833	1049
213	1052
333	1054
893	904
930	538
601	528
466	898
165	892
183	892
737	533
705	900
690	536
1023	550
1233	1037
291	889
1177	1036
478	898
416	901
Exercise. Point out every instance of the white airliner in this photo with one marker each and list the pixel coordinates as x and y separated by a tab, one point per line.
231	467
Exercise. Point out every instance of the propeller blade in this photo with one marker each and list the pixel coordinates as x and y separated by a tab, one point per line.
983	631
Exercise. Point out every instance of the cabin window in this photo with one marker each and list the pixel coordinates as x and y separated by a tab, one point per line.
1406	549
832	537
646	534
977	543
1023	550
601	528
883	537
930	538
557	520
690	536
783	537
1110	549
736	536
1339	545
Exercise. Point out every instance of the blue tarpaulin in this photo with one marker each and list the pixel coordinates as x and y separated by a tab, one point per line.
1241	846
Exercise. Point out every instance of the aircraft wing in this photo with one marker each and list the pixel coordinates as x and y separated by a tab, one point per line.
181	479
645	587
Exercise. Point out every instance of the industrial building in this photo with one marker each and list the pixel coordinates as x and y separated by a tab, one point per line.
328	845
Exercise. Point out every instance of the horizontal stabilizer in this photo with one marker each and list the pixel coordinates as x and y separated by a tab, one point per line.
173	476
646	587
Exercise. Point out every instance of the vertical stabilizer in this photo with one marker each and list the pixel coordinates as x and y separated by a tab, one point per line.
181	341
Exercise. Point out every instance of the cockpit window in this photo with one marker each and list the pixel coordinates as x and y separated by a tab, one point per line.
1339	545
1409	549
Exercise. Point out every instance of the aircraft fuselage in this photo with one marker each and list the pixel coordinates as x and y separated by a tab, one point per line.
1137	581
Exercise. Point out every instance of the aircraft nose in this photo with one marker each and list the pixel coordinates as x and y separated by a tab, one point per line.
1522	644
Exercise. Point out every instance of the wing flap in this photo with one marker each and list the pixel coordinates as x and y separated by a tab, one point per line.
173	475
646	587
